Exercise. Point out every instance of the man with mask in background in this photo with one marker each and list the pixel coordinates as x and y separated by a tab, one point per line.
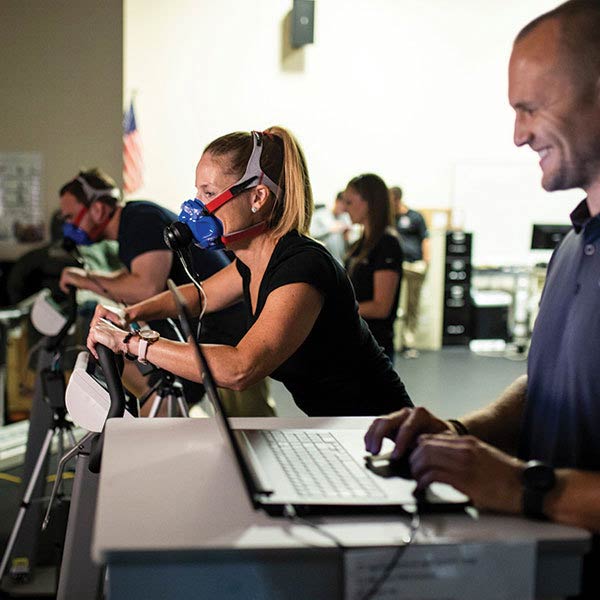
92	210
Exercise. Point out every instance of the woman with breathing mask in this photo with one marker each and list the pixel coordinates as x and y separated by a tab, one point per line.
254	197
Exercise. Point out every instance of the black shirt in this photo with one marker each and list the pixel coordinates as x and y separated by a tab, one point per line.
386	255
141	230
413	230
339	369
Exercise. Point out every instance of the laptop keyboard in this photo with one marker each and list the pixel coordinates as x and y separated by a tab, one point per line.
318	465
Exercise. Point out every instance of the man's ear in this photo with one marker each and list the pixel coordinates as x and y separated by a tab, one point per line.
99	212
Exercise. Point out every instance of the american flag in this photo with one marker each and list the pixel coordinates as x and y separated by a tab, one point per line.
132	153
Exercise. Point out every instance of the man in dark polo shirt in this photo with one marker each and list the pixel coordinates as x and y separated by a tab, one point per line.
536	450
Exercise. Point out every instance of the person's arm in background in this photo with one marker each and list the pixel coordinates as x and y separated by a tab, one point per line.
148	277
222	289
425	250
424	235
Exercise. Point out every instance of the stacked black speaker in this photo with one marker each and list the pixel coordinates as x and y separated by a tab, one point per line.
457	289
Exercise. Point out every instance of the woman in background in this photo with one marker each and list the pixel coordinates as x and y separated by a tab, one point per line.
374	261
254	195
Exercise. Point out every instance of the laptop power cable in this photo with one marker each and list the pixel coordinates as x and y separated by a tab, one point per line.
289	512
415	523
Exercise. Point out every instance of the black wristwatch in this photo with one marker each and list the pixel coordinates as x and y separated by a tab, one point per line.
126	340
538	479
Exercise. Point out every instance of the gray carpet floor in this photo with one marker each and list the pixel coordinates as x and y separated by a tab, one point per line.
450	382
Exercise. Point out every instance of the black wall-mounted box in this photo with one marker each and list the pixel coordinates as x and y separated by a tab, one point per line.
302	23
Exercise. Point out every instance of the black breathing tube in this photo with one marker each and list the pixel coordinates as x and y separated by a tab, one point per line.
178	237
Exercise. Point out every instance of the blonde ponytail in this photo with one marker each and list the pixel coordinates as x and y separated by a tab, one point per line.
295	209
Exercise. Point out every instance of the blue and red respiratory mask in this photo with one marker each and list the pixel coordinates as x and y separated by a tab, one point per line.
72	231
206	228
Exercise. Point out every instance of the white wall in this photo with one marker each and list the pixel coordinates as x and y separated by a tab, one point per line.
61	88
415	90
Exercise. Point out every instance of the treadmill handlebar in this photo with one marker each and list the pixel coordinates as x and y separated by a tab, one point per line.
111	368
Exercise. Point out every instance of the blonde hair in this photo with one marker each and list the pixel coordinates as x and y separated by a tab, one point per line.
283	161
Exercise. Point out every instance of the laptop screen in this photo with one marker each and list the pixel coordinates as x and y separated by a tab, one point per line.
213	394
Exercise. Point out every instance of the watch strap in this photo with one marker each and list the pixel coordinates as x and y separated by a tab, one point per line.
143	346
128	355
459	426
142	350
533	503
538	479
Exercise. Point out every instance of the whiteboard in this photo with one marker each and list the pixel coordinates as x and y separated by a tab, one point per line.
499	203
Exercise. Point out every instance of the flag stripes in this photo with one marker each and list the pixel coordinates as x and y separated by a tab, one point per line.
132	153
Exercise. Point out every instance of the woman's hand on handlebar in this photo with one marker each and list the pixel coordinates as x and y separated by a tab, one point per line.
106	329
115	315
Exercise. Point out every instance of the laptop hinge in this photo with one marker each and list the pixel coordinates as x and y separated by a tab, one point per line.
258	488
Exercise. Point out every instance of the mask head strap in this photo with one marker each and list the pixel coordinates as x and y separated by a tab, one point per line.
93	194
79	216
252	177
249	232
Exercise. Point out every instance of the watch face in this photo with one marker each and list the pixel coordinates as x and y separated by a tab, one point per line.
539	476
149	335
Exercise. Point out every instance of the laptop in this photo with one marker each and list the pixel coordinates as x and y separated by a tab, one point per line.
315	471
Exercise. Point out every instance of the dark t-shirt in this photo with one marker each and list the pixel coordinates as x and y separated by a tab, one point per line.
386	255
413	230
141	230
339	369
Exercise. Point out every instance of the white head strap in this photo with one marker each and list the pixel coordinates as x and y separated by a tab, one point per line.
253	170
92	193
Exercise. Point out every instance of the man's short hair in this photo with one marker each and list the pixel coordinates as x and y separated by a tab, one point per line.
396	192
579	26
96	179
